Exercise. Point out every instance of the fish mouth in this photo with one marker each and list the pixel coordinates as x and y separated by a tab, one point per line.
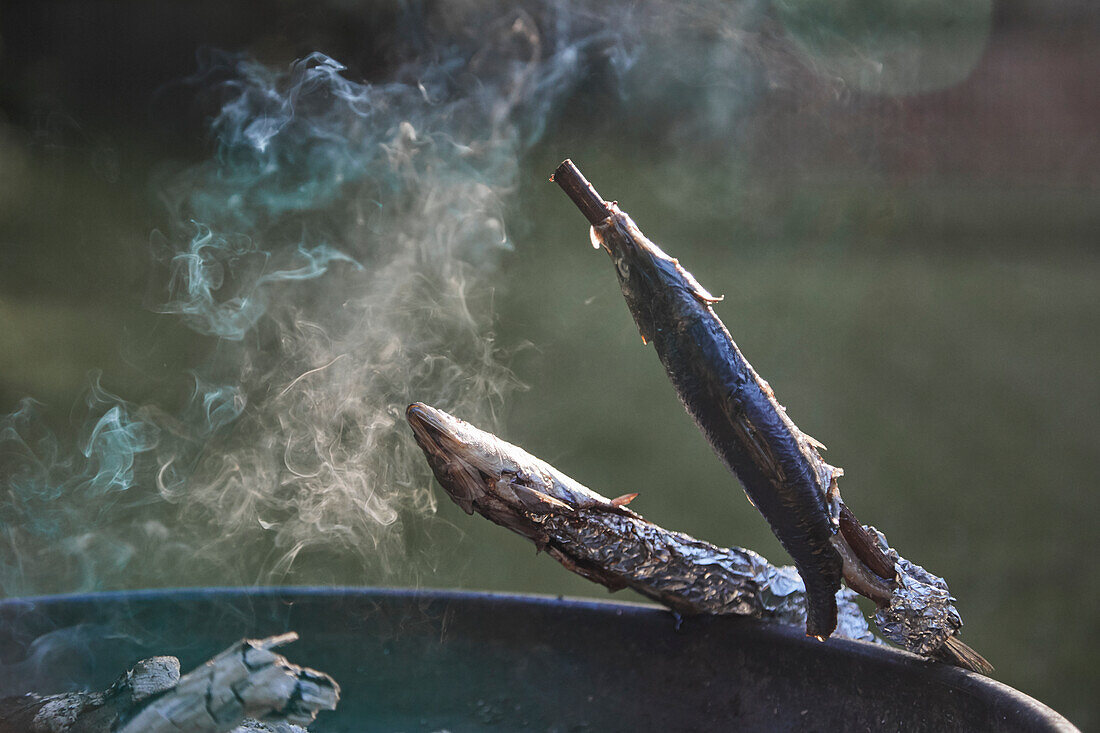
427	424
476	469
457	442
456	466
482	472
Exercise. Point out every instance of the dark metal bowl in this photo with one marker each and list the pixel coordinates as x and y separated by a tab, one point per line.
432	660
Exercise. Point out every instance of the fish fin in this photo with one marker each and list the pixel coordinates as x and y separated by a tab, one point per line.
624	499
832	497
697	291
814	442
956	652
767	388
701	294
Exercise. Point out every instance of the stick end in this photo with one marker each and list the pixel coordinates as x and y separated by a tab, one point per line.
581	192
565	165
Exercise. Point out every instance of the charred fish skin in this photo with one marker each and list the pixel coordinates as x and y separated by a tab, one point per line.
776	464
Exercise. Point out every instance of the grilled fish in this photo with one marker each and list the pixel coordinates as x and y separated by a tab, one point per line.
604	541
778	466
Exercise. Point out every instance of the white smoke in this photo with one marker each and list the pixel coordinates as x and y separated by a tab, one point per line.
338	250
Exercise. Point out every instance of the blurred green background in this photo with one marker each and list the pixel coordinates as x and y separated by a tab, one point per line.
915	274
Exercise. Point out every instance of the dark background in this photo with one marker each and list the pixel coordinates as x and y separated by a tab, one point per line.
915	273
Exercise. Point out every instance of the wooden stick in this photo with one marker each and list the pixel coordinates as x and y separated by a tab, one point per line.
245	689
581	192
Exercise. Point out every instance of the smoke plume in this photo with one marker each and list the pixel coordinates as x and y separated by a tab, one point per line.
338	251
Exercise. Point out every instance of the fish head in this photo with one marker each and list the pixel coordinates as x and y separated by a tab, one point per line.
481	472
657	289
